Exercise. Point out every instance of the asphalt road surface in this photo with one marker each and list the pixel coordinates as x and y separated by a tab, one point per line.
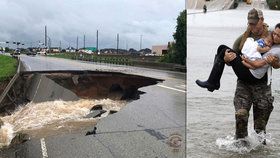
152	126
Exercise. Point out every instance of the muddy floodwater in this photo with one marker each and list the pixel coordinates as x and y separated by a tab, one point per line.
53	117
211	116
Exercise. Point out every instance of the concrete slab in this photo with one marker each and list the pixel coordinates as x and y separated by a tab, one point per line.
140	144
78	146
44	89
158	110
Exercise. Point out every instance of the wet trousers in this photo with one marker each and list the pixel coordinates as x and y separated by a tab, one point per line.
246	95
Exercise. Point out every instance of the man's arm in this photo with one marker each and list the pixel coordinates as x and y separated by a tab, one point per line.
273	61
237	43
229	56
254	64
247	65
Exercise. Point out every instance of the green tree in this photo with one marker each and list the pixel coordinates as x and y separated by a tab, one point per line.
176	52
170	56
180	39
7	49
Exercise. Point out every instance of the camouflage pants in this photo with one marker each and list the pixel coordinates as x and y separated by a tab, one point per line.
246	95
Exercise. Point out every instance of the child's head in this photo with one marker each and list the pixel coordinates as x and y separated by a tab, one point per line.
268	40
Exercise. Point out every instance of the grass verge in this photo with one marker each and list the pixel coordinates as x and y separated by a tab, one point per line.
8	67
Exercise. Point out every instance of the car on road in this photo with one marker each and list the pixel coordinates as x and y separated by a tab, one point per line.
30	52
16	52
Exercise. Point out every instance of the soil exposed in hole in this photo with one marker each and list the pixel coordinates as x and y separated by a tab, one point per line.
73	85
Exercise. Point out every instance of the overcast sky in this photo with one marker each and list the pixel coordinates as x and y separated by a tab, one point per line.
24	21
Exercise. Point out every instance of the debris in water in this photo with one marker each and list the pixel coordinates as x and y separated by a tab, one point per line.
91	132
113	111
20	138
95	113
97	107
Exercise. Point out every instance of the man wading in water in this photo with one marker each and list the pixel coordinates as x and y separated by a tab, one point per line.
257	93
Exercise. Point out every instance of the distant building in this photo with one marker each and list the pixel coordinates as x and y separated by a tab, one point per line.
54	49
145	51
93	49
159	50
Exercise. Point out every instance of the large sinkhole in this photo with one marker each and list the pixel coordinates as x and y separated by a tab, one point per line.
48	102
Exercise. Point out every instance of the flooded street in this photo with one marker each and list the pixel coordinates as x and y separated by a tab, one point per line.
210	116
54	117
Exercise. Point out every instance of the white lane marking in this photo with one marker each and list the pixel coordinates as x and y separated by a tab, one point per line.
44	148
181	86
172	88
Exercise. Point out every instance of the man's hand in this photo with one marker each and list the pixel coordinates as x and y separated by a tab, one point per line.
273	61
244	58
229	56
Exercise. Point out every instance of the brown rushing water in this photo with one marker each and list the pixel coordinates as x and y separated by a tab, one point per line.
49	118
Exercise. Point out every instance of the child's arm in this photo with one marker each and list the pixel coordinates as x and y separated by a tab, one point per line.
263	49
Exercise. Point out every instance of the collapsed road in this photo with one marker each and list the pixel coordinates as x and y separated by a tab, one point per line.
103	90
41	86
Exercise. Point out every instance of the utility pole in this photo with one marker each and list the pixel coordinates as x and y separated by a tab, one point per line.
46	36
97	41
126	45
49	42
77	43
84	41
59	45
141	42
117	43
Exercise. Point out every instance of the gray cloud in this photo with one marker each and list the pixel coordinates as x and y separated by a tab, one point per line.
24	20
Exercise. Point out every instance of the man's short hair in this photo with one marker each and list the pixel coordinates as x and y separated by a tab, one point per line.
277	26
254	16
